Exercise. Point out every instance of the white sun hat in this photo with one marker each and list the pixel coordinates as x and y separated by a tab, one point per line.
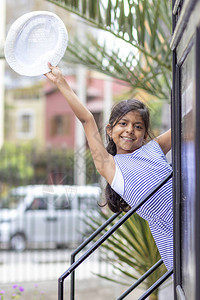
33	40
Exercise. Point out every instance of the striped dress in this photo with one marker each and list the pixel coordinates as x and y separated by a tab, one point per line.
140	172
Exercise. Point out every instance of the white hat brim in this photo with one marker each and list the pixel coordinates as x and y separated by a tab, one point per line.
33	40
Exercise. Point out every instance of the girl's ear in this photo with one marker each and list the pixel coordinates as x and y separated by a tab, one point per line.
109	130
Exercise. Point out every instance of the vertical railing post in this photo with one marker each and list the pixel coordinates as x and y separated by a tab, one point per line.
85	243
72	287
60	289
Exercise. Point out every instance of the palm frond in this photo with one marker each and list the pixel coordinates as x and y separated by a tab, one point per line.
145	25
130	69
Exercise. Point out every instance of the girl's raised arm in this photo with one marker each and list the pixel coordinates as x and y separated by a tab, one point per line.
103	161
164	140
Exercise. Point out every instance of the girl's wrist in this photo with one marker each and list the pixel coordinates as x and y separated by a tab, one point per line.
61	81
63	85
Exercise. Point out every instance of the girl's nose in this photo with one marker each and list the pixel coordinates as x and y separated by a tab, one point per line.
130	129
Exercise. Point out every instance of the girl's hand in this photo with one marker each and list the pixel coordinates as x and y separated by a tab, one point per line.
55	75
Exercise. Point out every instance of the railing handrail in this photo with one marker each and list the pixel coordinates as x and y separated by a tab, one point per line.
83	245
107	235
141	279
156	284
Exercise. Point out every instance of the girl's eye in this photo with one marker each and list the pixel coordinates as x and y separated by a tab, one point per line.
122	123
138	127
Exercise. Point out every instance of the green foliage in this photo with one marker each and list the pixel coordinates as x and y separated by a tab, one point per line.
92	176
21	165
145	28
131	251
59	164
14	166
155	107
55	166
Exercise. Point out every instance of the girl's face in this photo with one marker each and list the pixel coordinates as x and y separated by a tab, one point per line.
129	133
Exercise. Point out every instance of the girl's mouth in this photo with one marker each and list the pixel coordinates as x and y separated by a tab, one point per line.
126	138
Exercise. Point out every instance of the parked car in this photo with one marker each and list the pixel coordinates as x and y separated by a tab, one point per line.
48	215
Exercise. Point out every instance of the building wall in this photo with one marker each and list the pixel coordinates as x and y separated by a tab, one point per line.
24	119
59	120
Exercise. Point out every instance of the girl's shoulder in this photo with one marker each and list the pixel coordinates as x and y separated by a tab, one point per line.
154	149
153	144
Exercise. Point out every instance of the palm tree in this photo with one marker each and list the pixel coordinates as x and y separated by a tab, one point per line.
131	251
144	26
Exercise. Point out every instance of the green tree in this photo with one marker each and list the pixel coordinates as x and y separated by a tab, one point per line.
15	167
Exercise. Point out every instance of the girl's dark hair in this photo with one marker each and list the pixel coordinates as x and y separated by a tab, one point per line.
114	201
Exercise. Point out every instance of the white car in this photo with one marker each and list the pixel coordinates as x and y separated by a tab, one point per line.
48	215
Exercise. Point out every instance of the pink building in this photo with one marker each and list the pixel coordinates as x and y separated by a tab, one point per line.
60	121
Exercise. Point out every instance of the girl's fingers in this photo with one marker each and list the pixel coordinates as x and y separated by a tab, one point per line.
50	66
50	76
54	69
53	73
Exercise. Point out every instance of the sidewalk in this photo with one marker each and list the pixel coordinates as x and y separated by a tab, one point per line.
98	289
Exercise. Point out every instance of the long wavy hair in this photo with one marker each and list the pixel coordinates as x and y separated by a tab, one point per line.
115	201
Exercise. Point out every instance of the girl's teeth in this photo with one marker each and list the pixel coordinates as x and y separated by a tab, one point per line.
127	138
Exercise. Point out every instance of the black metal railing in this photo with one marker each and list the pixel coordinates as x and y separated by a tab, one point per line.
156	284
141	279
102	239
83	245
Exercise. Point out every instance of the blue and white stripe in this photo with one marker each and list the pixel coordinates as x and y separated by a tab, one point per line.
141	171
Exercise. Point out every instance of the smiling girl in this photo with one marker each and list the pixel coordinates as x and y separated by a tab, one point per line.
130	165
